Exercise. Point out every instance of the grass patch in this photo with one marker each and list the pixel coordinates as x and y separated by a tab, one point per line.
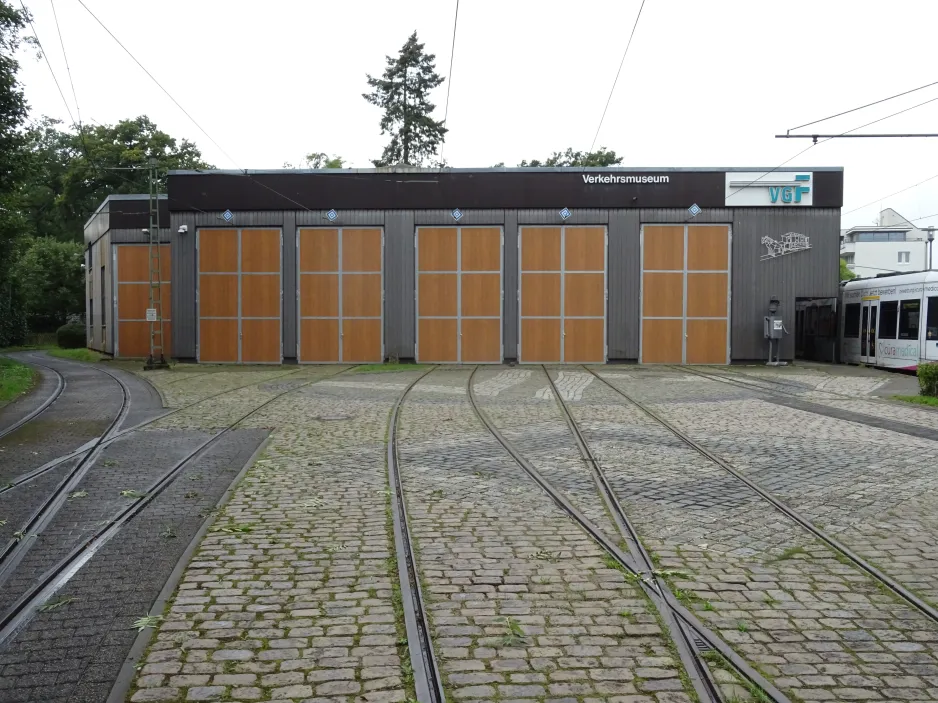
15	379
789	553
76	354
917	399
384	368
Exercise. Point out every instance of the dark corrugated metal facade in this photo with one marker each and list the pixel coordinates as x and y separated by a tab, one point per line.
195	198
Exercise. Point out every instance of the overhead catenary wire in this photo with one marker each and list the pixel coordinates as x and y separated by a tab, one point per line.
449	80
862	107
46	57
68	68
849	131
881	198
621	63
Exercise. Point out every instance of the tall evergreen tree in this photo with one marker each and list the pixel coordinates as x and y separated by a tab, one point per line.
403	93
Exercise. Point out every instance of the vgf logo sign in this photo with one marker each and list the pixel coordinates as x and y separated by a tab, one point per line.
769	188
791	194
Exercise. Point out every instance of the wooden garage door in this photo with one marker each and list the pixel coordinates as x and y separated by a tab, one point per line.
563	294
240	296
459	294
341	295
685	294
132	299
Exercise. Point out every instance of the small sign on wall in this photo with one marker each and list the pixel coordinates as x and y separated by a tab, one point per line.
151	314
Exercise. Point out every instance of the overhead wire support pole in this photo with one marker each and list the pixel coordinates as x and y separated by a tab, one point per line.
815	137
156	360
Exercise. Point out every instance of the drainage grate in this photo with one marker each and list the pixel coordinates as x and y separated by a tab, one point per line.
702	647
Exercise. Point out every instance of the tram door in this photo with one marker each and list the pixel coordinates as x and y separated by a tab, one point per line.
868	331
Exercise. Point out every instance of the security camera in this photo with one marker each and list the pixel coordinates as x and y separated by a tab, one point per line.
145	231
183	229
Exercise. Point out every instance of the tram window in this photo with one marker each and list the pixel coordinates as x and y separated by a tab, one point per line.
852	320
888	317
932	322
908	319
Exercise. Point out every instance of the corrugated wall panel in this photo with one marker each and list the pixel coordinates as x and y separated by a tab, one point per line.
585	216
510	334
678	216
137	236
288	281
444	218
98	224
624	281
811	273
399	324
346	218
183	276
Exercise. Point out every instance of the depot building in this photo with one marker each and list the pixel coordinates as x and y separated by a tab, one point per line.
658	266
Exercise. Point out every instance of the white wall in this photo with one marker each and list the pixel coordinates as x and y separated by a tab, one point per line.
871	258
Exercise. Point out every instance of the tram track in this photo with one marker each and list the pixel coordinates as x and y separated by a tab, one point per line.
428	681
57	576
45	405
690	636
91	444
884	579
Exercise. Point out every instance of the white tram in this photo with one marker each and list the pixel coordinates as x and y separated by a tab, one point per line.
890	320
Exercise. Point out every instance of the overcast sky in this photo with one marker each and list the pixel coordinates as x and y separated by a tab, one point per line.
704	84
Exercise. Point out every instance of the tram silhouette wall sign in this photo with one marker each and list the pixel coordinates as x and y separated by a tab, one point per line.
791	242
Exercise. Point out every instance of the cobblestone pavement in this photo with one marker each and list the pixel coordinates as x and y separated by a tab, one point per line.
523	606
290	596
819	627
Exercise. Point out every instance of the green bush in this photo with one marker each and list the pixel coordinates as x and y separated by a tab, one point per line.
71	336
928	379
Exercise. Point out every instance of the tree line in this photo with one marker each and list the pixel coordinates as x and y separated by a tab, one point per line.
53	176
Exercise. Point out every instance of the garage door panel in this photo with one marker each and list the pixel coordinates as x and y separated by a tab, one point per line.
663	295
540	248
540	340
218	341
218	250
584	295
706	341
438	340
133	263
260	250
662	341
133	299
481	295
436	248
584	249
540	295
319	295
437	294
361	341
260	296
260	341
481	249
361	295
319	340
584	341
361	250
481	341
218	295
133	339
319	249
707	294
663	248
708	248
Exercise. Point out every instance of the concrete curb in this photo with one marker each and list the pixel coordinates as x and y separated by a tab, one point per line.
128	670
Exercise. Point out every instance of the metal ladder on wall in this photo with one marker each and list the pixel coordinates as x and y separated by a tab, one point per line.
156	360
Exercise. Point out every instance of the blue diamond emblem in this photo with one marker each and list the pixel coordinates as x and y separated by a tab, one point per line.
457	215
565	213
226	215
694	210
332	215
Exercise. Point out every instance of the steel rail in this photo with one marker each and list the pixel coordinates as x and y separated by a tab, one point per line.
428	682
783	508
694	664
663	599
40	470
60	385
58	575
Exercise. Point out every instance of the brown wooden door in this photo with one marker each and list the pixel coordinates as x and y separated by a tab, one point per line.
685	294
563	294
240	296
459	294
341	295
133	299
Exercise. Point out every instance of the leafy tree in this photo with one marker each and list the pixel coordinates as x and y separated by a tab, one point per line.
52	282
602	157
845	273
320	159
403	93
